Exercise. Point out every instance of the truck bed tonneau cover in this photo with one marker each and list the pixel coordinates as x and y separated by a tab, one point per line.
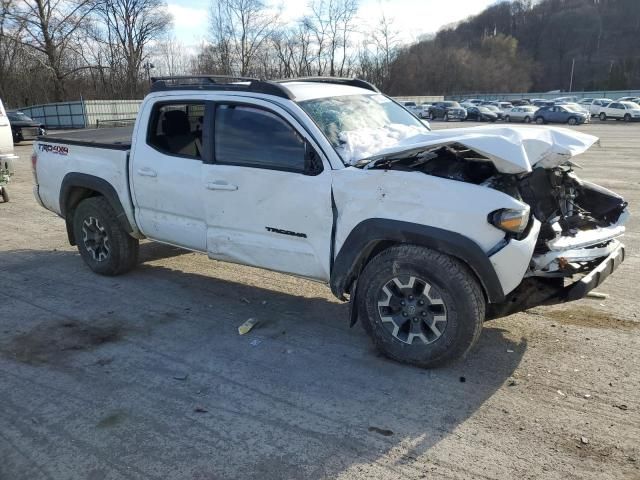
118	138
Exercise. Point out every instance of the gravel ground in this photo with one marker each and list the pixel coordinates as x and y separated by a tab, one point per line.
145	375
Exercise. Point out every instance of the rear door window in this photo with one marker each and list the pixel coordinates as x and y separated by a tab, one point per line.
254	137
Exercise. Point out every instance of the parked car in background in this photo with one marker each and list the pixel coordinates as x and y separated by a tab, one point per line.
540	102
627	99
597	104
475	101
585	101
496	110
560	114
521	102
568	99
627	111
412	107
24	127
480	113
524	114
576	106
447	111
423	111
6	143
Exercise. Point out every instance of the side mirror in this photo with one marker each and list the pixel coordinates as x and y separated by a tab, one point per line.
312	161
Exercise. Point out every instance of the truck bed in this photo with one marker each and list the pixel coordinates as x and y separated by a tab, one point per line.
118	138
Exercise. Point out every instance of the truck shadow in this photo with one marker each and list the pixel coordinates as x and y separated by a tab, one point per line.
316	397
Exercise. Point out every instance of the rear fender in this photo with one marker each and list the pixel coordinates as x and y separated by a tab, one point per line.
79	186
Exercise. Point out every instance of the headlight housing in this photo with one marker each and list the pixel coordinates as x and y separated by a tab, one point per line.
510	220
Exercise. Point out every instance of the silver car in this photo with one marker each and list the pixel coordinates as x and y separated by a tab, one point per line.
525	114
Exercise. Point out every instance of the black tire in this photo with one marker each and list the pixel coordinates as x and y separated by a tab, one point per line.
431	116
4	194
507	119
446	117
527	119
627	117
540	120
572	121
450	282
106	247
603	117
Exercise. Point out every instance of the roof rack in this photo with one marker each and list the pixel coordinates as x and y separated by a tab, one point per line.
219	82
353	82
247	84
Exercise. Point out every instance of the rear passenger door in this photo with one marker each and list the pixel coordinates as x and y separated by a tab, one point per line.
166	174
267	191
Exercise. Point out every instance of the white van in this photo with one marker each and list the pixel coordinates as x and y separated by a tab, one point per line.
6	142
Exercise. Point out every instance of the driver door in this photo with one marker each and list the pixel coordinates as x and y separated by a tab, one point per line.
267	193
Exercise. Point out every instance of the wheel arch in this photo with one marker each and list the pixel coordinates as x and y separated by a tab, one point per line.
374	235
80	186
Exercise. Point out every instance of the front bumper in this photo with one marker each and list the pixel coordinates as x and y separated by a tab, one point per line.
595	278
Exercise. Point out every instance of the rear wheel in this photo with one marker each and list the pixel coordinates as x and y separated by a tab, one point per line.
527	119
414	312
572	121
603	117
102	241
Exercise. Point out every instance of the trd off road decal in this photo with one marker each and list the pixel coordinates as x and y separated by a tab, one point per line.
56	149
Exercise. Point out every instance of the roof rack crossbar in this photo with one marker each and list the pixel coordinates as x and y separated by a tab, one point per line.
353	82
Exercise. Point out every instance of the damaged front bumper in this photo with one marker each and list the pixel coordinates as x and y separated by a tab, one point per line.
535	291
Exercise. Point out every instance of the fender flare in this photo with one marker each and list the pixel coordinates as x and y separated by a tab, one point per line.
371	233
96	184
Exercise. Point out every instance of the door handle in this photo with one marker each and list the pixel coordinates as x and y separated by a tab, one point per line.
147	172
221	185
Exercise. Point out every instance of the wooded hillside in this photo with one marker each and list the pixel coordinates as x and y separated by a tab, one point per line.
528	46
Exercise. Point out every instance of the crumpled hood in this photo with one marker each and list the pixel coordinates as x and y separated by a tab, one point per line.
511	149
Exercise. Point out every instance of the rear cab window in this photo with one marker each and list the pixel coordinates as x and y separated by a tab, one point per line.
176	129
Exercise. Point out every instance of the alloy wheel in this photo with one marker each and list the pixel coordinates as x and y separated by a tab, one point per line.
95	239
412	310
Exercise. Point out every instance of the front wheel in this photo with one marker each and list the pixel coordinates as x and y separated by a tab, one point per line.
431	116
572	121
103	243
627	118
540	121
4	194
603	117
446	117
420	306
527	119
507	119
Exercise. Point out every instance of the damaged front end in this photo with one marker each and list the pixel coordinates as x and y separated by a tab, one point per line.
578	224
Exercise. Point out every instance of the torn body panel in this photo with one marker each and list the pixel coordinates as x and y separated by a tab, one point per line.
573	226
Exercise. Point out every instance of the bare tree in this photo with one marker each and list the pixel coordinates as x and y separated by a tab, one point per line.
239	30
132	25
170	56
49	29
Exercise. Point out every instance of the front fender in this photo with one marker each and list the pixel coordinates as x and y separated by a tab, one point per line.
372	233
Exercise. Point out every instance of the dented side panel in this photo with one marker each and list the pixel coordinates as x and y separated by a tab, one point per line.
423	199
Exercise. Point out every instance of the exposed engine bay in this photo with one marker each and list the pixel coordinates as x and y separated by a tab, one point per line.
579	220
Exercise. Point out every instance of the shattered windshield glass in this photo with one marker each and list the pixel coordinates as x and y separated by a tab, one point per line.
358	126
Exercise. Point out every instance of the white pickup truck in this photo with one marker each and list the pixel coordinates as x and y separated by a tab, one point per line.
427	233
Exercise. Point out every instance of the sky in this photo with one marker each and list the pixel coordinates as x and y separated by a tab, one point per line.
411	18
